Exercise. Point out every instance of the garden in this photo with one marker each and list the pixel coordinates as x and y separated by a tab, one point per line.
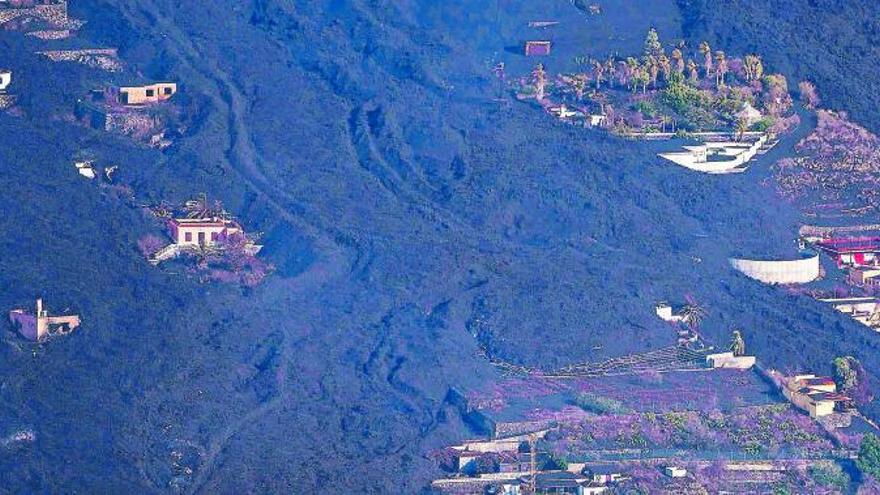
682	91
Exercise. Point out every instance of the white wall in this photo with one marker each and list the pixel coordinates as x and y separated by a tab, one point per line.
798	271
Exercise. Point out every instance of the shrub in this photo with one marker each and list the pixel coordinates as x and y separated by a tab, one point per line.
830	475
599	405
869	455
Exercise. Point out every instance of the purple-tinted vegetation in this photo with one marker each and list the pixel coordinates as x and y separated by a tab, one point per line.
837	164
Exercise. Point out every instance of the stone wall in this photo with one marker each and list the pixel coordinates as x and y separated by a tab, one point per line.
55	14
96	58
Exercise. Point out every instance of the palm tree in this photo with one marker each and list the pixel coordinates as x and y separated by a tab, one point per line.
653	68
707	57
539	81
580	86
198	207
665	66
678	61
644	77
598	72
622	73
693	75
693	314
720	68
753	67
610	70
741	127
633	69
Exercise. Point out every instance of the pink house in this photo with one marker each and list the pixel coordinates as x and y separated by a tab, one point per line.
201	231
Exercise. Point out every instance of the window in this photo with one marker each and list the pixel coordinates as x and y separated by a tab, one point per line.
201	238
215	236
188	237
167	91
151	92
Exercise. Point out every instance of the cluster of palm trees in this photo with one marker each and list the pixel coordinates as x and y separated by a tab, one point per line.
655	65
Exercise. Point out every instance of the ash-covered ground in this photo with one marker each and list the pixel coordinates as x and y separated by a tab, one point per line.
411	218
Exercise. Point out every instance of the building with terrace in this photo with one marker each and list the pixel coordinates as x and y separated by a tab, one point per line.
851	251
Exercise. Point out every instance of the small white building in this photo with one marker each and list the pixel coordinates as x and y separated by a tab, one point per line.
5	80
597	120
727	360
675	471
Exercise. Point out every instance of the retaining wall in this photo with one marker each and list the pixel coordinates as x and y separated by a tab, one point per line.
798	271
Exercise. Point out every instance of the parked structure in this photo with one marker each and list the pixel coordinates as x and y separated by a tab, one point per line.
799	271
816	395
144	95
537	48
39	325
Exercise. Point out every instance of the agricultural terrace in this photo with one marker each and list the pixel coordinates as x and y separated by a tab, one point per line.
645	392
778	477
836	170
690	89
775	431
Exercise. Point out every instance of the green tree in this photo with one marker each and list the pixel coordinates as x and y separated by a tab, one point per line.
869	455
653	47
845	373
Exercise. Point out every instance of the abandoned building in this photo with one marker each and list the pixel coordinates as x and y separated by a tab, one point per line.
145	95
5	80
537	48
861	309
664	311
39	325
816	395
